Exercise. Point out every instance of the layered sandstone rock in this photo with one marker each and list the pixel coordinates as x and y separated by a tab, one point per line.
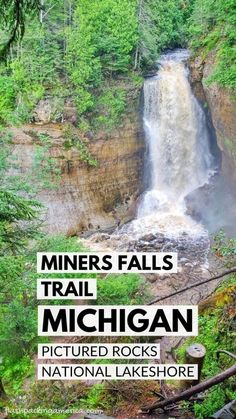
222	105
86	198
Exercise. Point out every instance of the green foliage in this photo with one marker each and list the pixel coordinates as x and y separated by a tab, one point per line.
46	170
15	373
224	246
111	106
213	402
50	395
18	308
18	320
125	289
69	52
13	19
10	267
212	27
7	97
95	398
78	51
17	226
97	49
34	65
216	331
14	210
72	140
17	212
101	47
18	305
58	244
161	26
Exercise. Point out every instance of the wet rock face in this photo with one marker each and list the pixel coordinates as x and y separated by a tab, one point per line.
223	110
190	252
86	197
222	104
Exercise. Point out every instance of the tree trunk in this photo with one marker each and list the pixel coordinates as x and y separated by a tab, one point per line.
229	271
3	395
41	12
194	354
185	395
137	52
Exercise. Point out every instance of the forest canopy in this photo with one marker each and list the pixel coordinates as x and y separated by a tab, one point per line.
82	49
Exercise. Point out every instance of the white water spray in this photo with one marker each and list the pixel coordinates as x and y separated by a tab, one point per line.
180	162
179	157
175	128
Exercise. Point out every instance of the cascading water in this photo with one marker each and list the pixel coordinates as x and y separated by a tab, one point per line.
179	167
179	156
179	162
177	138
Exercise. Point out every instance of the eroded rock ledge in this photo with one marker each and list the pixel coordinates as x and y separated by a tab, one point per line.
87	198
222	105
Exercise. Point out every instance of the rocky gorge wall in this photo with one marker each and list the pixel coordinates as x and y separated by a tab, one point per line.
222	106
89	198
86	198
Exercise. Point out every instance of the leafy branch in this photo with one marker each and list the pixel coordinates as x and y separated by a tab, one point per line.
13	18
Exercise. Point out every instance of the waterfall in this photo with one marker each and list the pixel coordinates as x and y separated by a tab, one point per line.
175	128
179	163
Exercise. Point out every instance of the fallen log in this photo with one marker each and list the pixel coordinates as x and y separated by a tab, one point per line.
229	271
185	395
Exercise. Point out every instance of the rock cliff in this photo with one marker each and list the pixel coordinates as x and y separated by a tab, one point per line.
86	198
222	105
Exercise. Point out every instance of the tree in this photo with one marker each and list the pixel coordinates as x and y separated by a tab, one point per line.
98	50
161	26
212	28
13	19
17	212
